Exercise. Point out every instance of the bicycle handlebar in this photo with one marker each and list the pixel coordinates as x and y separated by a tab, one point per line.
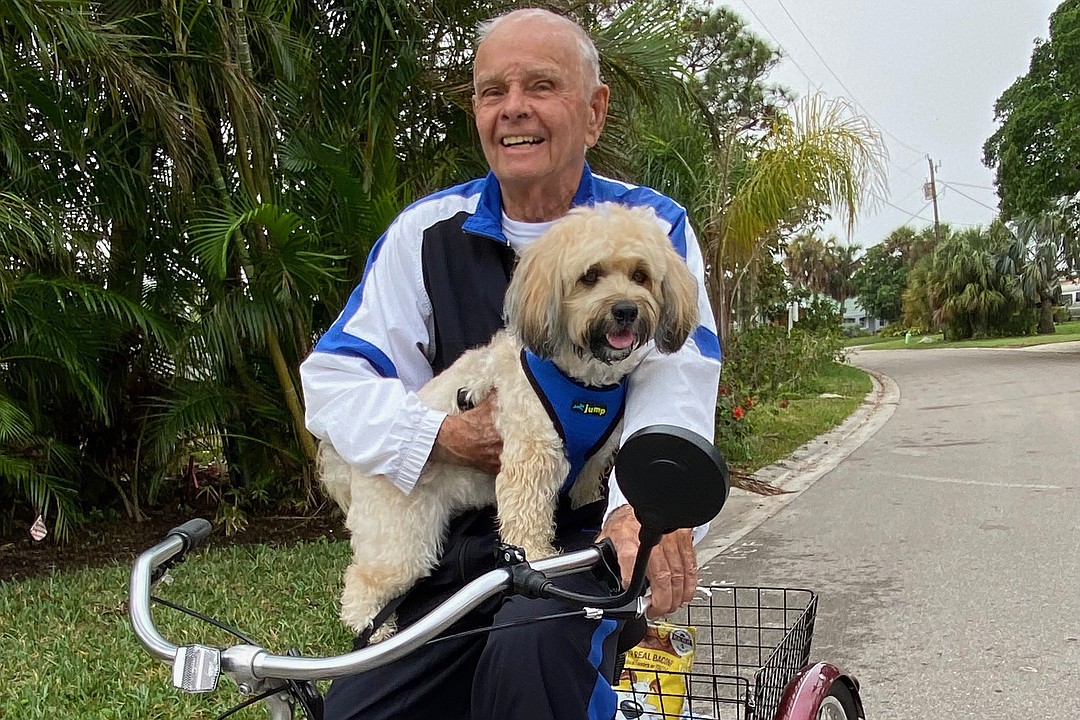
194	532
256	663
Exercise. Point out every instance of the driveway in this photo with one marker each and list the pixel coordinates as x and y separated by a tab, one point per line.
946	545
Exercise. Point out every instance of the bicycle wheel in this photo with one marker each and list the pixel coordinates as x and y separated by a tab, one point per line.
838	704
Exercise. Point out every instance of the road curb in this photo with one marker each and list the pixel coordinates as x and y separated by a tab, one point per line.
806	465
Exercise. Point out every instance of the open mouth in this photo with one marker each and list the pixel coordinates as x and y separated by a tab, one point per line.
613	344
521	140
620	339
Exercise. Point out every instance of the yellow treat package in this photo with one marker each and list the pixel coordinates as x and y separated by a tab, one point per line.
654	678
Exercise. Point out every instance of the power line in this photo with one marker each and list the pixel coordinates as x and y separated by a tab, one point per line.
837	77
980	187
781	46
959	192
913	215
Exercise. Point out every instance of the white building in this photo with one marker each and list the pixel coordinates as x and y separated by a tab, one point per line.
855	315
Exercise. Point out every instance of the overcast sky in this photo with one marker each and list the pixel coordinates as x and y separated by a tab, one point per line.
927	73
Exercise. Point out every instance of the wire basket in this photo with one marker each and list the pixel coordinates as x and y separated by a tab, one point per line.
750	643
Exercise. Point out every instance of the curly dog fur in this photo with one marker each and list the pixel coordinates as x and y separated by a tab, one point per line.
561	305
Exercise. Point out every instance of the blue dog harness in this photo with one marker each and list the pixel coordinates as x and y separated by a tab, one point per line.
583	416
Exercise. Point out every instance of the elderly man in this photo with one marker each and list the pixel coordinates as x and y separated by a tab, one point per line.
433	288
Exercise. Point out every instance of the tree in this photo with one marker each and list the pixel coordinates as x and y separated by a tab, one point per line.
880	282
1036	150
818	157
822	267
1035	257
188	191
959	289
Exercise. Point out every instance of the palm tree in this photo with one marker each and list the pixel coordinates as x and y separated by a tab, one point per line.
193	189
966	294
805	262
821	155
1036	258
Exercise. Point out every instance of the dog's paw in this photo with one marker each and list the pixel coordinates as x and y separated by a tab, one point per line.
385	631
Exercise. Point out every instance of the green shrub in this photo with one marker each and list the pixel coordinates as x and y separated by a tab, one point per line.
733	404
768	361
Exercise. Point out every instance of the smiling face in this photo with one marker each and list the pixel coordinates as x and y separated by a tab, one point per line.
534	111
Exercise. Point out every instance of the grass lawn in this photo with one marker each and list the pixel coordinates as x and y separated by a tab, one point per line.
68	651
776	431
1066	332
867	340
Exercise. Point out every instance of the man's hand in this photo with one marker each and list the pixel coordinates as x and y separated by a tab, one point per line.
672	568
470	439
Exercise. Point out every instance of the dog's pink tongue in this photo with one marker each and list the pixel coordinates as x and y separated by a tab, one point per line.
621	340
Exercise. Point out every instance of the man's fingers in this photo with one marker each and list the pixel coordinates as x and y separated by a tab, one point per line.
689	564
673	573
627	556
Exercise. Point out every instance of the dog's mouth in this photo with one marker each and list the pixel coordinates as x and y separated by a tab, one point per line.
612	344
620	339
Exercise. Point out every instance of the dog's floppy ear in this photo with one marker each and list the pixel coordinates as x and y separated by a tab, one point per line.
534	301
678	307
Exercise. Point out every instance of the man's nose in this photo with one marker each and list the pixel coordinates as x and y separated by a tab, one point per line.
515	104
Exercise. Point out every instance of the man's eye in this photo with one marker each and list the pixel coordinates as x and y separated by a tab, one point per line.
543	86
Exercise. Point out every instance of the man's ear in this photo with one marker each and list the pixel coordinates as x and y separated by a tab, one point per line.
598	107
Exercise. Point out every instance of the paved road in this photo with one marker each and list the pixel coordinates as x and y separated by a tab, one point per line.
946	548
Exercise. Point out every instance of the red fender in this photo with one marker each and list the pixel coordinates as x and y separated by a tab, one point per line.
804	694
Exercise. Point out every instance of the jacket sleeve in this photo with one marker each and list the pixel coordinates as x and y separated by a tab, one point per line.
678	389
360	382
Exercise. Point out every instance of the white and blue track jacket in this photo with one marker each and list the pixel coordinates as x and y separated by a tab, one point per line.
433	287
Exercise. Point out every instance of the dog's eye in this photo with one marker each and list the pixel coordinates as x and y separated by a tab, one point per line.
591	277
640	276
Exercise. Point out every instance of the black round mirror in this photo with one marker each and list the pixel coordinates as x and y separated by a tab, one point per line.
673	477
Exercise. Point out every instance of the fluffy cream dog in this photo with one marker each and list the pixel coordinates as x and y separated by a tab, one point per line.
587	295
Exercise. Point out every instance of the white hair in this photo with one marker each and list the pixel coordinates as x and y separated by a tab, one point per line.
590	58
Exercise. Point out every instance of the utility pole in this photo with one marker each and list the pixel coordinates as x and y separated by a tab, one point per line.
931	191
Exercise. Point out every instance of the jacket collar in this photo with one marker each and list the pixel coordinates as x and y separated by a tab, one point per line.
487	220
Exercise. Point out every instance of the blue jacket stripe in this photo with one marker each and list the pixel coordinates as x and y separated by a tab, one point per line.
338	342
602	702
666	208
707	342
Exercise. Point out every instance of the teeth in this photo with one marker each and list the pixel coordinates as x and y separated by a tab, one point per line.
520	139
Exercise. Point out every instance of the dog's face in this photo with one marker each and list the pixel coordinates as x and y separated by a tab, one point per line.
601	283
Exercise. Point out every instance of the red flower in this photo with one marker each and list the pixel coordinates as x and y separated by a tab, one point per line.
725	389
749	403
737	412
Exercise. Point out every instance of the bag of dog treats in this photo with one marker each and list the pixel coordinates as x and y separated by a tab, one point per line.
654	677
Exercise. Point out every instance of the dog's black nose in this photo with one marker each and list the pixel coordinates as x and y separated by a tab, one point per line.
624	312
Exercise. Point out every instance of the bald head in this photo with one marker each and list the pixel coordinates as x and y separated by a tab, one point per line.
590	59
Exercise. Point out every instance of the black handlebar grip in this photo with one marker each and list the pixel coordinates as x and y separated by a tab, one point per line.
192	533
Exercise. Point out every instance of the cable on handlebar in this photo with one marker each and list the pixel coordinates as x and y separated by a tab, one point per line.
205	618
301	692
